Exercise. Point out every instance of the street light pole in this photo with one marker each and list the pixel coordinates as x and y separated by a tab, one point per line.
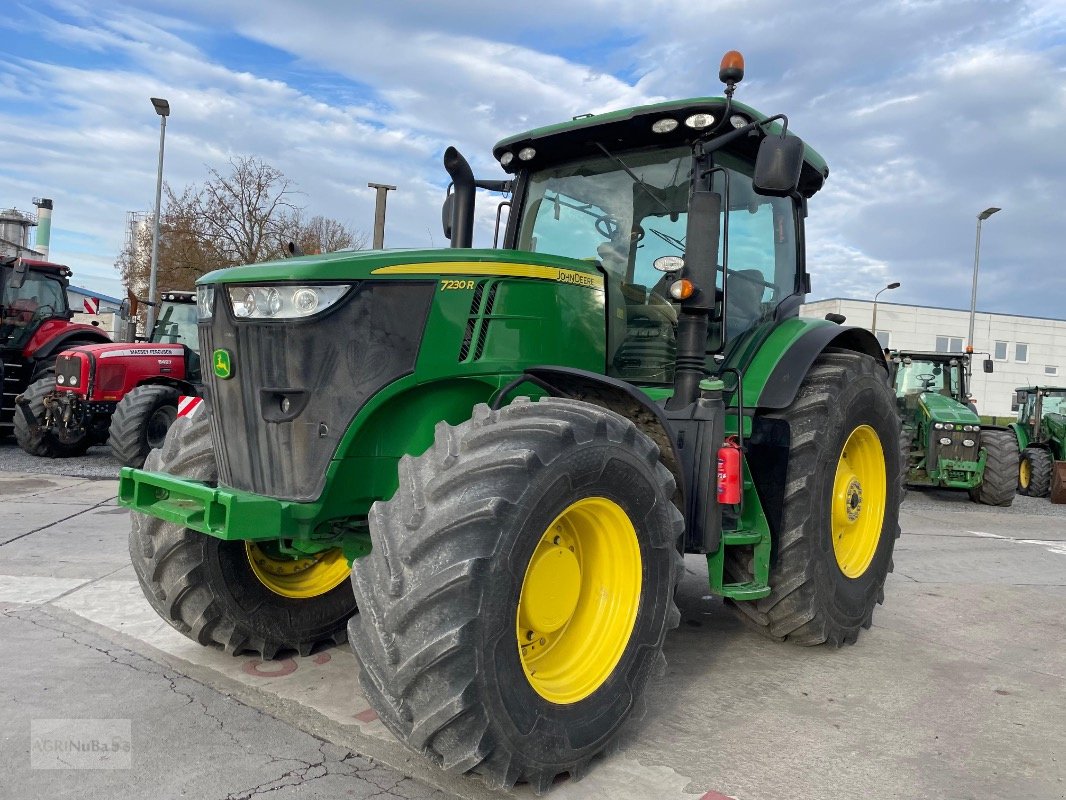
379	213
162	108
988	212
873	322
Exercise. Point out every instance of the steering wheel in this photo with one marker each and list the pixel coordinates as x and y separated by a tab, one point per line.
680	245
43	312
607	227
927	379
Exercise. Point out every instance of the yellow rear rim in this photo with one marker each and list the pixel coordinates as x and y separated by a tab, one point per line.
300	578
859	496
1025	473
579	600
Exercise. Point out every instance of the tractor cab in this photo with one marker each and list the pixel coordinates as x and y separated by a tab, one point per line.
176	324
1041	434
31	294
619	191
914	374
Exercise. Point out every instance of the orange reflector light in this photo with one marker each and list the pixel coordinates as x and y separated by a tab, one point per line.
969	348
732	68
682	289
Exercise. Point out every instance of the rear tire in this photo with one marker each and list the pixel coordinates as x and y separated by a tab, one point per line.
1037	463
140	423
206	589
37	440
1000	481
812	601
446	592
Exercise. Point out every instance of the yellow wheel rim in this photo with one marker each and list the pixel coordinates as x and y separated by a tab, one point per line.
300	578
860	488
579	600
1025	473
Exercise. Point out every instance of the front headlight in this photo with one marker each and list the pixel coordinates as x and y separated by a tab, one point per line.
61	380
968	442
283	302
205	300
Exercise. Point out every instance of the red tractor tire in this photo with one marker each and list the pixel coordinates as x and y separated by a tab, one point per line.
33	437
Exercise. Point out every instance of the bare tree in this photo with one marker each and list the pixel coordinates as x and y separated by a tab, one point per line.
246	216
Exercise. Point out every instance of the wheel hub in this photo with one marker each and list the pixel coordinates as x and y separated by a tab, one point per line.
552	589
854	501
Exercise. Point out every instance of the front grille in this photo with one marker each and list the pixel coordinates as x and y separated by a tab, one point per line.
68	367
328	366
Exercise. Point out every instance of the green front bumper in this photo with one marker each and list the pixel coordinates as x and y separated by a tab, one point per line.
224	513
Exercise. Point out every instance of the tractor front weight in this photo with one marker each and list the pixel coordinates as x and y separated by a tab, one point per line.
232	515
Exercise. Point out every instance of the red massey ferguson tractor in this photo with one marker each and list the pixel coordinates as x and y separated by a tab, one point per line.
35	326
127	392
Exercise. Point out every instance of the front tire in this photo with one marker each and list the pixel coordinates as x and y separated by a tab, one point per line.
542	525
140	423
840	515
36	439
1000	480
1034	472
217	592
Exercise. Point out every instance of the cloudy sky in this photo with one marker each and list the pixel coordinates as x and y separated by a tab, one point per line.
928	111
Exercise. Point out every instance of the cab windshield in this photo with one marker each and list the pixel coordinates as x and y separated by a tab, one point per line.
915	376
22	310
596	209
177	325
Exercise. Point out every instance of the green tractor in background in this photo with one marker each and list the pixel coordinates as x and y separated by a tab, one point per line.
1041	435
511	449
943	439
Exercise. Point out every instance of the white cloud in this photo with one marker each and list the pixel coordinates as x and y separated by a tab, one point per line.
926	111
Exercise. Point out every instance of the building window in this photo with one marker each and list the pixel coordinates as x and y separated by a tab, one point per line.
1050	370
948	344
883	338
1021	352
999	351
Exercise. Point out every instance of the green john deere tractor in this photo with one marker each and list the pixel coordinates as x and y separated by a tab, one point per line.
943	439
1041	435
512	448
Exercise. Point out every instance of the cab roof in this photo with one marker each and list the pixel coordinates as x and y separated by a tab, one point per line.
1041	389
631	128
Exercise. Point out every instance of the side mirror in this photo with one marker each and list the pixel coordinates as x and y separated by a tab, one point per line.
19	270
1014	405
988	366
124	309
446	215
778	165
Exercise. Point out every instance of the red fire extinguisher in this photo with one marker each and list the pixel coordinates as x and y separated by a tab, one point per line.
729	473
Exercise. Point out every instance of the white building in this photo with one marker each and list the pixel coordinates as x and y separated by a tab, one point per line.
1024	350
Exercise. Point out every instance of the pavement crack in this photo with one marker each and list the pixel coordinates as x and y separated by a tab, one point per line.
53	524
306	772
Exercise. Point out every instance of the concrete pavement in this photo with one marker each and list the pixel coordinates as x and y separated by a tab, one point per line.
957	691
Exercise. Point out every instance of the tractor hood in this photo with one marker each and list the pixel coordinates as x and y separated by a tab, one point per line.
126	350
943	409
357	265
